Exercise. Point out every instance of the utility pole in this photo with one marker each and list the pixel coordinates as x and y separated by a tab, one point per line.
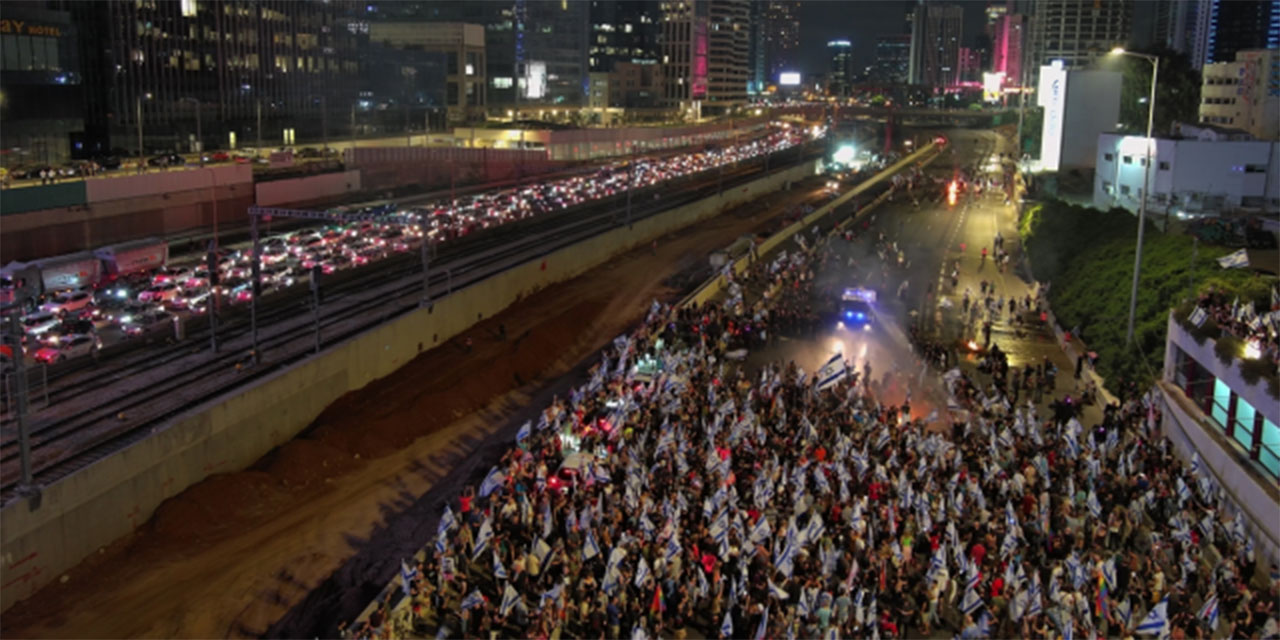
256	287
20	393
353	127
258	150
142	154
631	181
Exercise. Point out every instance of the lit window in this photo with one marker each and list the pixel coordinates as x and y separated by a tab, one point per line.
189	8
501	83
471	70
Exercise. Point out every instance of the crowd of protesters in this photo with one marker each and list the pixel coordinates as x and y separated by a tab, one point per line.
1245	321
700	498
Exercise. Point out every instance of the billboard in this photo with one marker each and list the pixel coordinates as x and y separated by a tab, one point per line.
535	80
992	83
789	78
1052	95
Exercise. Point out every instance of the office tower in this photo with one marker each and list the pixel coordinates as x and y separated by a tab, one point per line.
1236	25
1078	32
781	36
623	31
728	39
893	56
841	72
935	44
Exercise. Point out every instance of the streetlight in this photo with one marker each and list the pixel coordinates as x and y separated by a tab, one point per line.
142	160
199	138
1146	177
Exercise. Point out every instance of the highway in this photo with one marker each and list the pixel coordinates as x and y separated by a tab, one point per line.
99	408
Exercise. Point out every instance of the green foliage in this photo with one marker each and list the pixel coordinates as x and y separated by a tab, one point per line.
1177	91
1088	257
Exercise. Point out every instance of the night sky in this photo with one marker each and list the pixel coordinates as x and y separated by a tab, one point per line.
861	21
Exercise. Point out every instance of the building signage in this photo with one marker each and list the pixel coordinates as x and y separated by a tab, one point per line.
1053	97
28	28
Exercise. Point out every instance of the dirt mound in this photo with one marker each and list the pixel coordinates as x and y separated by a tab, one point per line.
304	462
217	504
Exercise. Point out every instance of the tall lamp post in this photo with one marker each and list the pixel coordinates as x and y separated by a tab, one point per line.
142	153
1146	178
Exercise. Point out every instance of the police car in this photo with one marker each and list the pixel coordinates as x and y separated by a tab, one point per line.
857	311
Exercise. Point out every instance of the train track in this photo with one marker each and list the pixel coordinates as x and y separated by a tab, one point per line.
353	304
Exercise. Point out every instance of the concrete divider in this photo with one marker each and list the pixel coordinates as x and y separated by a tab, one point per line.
300	191
76	516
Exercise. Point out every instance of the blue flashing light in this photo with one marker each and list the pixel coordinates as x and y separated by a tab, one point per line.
848	314
860	316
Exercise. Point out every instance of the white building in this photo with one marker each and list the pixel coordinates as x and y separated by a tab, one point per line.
1244	94
1202	173
1078	105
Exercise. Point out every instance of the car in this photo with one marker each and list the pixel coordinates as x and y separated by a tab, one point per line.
126	312
69	346
198	278
219	156
67	302
242	293
277	275
172	274
109	163
195	301
159	293
71	326
123	288
148	323
39	322
856	310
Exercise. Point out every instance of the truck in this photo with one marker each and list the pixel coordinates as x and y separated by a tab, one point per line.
131	257
26	281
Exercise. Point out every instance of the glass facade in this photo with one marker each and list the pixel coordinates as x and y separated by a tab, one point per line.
1239	420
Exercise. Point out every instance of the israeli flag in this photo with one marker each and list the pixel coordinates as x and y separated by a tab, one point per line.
1196	467
764	625
1209	612
726	627
672	550
1073	445
1094	507
499	571
474	599
589	548
832	372
406	576
525	431
1109	572
447	521
548	521
509	599
1157	621
1198	316
646	527
540	551
491	482
482	538
1034	606
761	531
550	595
803	606
778	592
1124	612
971	602
642	573
1235	260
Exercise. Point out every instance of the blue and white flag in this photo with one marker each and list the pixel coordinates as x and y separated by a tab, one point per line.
761	531
1124	613
672	550
482	538
1034	605
642	573
832	372
499	571
1157	621
764	625
726	627
589	547
447	521
778	592
1094	507
525	431
1235	260
540	551
509	599
550	595
474	599
803	607
971	602
1184	492
491	482
406	576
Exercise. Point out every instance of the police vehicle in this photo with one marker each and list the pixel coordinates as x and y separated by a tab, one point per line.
856	311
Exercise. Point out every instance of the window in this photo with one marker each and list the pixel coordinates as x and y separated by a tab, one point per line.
1269	453
1107	187
1255	168
1164	165
1244	417
1109	157
1221	403
1124	189
1128	159
501	83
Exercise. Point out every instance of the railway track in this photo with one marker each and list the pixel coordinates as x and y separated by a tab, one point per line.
72	437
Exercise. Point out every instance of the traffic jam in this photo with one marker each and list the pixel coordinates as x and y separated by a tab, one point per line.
79	303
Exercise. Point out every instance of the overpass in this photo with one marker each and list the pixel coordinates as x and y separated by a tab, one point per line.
928	117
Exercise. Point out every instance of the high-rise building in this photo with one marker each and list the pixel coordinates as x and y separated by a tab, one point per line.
893	57
1007	38
439	63
1244	94
1236	25
757	69
781	36
1078	32
1183	26
536	51
841	78
969	65
239	72
43	97
936	33
684	54
623	31
728	40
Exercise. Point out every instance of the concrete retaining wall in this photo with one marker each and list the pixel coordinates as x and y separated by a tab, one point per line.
107	499
301	191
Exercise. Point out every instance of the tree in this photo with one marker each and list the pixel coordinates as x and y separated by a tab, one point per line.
1177	91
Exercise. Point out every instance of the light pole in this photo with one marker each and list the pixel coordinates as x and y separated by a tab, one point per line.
199	137
142	154
1142	197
